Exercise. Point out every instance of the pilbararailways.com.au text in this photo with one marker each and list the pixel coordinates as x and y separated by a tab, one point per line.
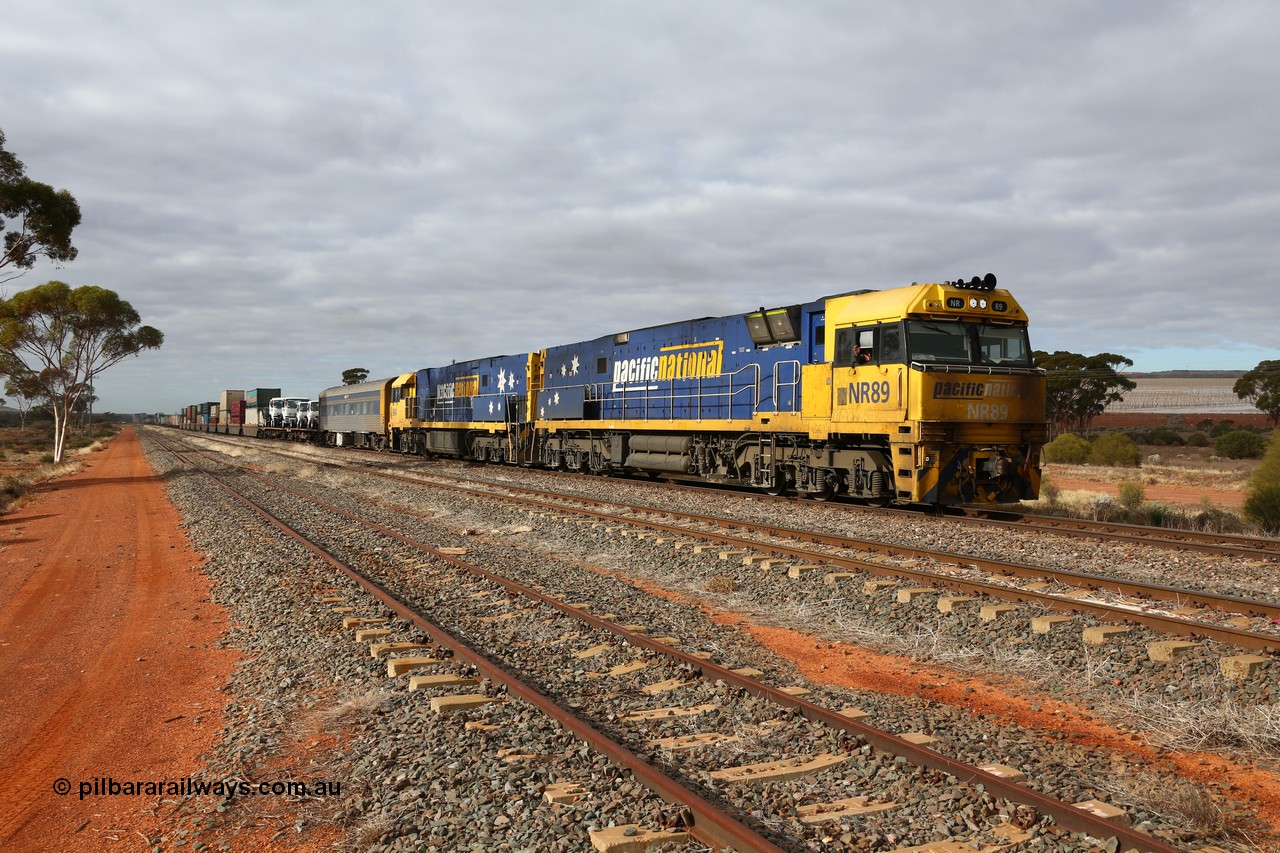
108	786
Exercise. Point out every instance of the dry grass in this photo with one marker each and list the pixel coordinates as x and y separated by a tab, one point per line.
1221	725
1193	470
721	584
1181	800
369	832
345	712
1187	804
15	488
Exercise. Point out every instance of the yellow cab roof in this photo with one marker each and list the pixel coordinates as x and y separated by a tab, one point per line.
923	301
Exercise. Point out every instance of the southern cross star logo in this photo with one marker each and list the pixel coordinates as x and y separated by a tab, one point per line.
556	399
573	368
491	407
564	369
502	381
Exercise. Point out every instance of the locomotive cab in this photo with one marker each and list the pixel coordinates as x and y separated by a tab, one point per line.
949	394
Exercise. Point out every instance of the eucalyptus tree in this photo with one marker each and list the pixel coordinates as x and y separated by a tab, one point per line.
64	338
1261	387
1079	387
39	219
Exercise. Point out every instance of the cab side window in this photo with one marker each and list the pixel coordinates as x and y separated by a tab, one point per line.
867	346
845	339
891	349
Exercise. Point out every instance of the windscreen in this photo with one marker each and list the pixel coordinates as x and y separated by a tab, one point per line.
968	343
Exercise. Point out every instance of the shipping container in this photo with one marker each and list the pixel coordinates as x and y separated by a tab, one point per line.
252	417
260	398
227	398
237	412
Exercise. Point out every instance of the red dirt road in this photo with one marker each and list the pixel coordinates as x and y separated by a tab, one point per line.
108	645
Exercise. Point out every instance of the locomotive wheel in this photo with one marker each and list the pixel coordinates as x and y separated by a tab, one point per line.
825	494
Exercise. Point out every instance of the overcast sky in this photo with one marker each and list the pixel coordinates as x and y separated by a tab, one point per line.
287	190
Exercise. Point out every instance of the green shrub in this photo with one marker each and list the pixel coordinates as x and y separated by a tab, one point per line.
1165	438
13	487
1221	428
1140	437
1263	508
1132	494
1268	471
1068	448
1198	439
1117	450
1049	490
1239	444
46	459
1204	425
1160	515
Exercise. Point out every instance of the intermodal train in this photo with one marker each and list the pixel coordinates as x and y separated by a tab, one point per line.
918	394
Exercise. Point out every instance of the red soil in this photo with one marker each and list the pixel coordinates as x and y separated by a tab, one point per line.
108	643
1151	420
1006	699
1193	495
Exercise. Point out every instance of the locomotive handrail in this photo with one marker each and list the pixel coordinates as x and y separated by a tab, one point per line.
754	386
602	392
986	369
794	384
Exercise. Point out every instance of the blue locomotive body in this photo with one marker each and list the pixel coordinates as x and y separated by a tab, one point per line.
712	369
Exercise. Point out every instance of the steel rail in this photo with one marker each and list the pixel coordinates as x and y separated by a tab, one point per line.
1164	537
1242	638
1110	612
711	825
1140	589
1067	815
1160	537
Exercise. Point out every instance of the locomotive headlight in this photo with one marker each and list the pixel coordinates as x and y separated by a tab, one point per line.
973	302
982	303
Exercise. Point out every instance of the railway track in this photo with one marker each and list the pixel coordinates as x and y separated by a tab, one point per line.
1204	542
1197	541
1243	623
407	577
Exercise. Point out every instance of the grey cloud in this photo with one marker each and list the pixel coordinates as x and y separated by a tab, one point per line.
289	194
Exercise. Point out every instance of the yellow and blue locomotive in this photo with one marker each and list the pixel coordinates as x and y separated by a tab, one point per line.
919	394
